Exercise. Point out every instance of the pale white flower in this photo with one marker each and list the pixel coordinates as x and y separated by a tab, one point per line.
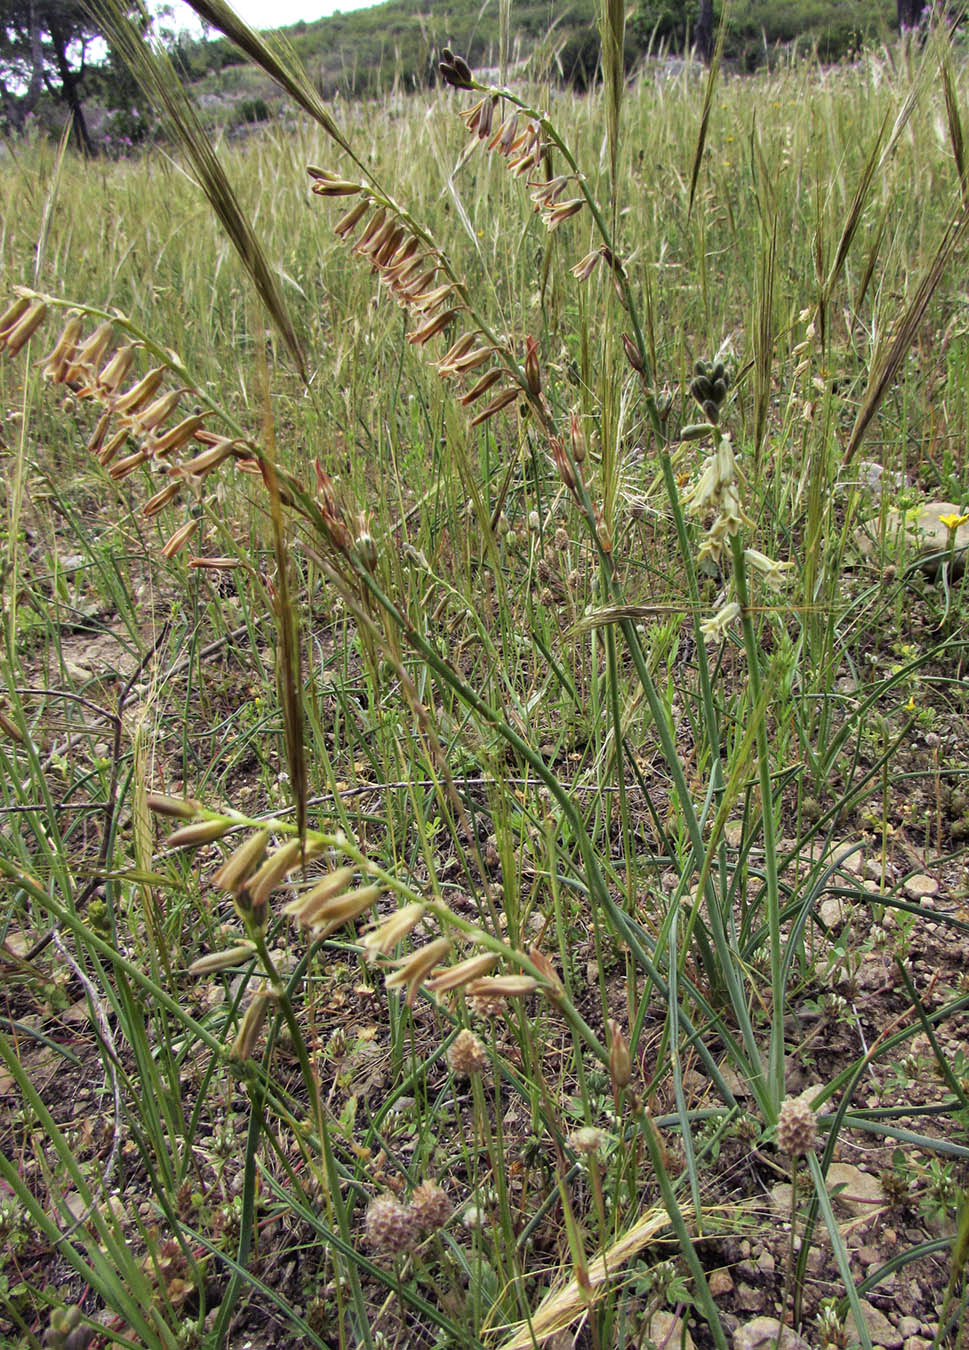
771	572
714	628
717	493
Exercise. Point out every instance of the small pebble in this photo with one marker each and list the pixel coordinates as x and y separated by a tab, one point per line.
921	885
720	1283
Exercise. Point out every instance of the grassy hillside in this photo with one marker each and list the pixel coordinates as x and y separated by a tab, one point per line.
397	43
754	28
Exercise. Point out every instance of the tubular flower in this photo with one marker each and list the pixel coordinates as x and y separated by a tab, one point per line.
716	493
714	628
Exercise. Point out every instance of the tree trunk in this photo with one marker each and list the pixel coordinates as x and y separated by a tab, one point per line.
17	110
704	30
71	95
36	61
909	13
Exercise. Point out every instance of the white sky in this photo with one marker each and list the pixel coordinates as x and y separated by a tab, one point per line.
274	13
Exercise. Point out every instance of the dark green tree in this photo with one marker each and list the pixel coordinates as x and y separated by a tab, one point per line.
910	12
677	22
45	47
704	30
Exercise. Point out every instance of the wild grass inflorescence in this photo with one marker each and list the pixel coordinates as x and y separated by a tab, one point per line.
583	835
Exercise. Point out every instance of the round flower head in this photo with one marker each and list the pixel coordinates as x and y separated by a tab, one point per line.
390	1227
430	1206
796	1127
587	1140
467	1055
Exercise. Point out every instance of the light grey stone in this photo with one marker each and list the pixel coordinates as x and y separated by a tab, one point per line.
764	1333
919	534
880	1330
667	1330
862	1193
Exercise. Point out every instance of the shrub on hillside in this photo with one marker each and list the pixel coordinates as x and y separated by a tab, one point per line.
837	29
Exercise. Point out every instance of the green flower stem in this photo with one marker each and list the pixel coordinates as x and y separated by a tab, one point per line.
726	958
775	1067
548	127
632	308
258	937
727	964
703	1296
445	916
598	890
957	1270
841	1255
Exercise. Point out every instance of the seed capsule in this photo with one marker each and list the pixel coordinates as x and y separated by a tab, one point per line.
25	328
181	808
58	363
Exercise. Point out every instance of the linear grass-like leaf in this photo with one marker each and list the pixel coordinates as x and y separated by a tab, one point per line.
611	16
107	1263
701	138
289	678
838	1246
954	121
875	164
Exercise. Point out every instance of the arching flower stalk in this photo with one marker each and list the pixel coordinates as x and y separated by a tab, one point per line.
256	871
526	139
139	423
418	275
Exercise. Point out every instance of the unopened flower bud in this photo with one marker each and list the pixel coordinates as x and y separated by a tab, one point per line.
213	961
251	1026
202	832
455	71
533	377
578	438
366	548
632	355
603	533
181	808
620	1062
23	330
240	865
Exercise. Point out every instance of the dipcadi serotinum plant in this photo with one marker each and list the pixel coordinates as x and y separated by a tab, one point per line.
691	957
